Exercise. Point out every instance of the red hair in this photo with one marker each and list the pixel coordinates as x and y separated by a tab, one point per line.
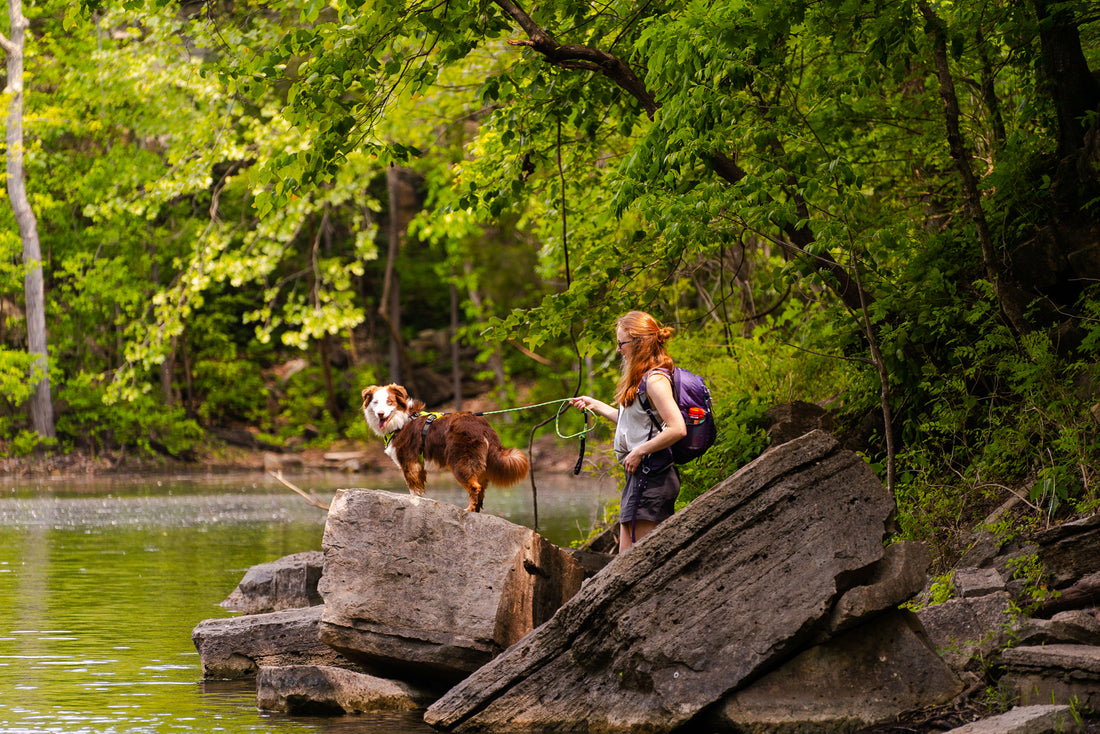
648	352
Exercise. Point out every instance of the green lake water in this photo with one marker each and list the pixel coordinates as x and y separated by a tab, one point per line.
102	581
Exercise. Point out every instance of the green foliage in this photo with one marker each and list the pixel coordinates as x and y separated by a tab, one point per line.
16	383
1028	569
232	391
211	190
303	404
142	423
23	443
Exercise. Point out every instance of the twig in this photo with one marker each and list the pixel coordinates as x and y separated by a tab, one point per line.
311	498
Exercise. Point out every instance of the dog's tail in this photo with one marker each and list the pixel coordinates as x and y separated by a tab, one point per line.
505	467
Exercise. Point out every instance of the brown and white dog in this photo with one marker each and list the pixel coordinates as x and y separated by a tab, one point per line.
462	442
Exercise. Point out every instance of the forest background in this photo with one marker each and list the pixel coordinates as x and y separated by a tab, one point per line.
244	212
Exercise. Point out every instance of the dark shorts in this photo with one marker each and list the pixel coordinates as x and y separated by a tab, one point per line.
657	499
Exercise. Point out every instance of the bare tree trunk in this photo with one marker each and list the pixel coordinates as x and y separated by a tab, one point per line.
456	367
389	305
332	402
167	374
40	405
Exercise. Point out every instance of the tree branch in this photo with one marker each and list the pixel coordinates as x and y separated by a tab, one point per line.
576	56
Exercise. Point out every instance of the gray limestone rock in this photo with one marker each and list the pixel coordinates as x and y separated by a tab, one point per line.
863	677
287	583
894	580
429	590
968	631
236	647
727	589
1025	720
323	689
1059	674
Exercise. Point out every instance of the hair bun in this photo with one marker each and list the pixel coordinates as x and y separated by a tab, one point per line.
665	333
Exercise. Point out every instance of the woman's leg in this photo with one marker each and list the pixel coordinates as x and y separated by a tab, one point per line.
641	529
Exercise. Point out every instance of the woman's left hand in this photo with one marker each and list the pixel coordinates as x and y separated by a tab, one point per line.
633	461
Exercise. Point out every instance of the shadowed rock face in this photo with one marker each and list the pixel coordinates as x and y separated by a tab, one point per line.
863	676
426	590
722	593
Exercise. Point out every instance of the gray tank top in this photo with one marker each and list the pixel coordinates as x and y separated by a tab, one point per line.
633	427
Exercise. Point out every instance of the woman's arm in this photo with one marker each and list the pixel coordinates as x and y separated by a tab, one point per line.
586	402
659	392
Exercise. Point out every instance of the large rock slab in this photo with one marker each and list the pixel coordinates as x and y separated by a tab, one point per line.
967	632
236	647
1068	551
1060	674
897	577
1048	719
863	677
721	593
416	588
325	690
287	583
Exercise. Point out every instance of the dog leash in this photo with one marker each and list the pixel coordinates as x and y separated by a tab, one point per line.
561	403
557	418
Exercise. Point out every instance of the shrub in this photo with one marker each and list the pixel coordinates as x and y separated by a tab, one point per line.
143	422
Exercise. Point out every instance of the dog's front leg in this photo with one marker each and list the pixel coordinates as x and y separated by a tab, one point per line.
415	477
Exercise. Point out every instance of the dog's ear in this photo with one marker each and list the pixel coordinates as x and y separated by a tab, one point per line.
368	393
399	394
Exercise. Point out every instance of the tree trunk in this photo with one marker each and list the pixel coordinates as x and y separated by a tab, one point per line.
456	366
1009	298
389	305
496	358
332	402
40	405
1075	91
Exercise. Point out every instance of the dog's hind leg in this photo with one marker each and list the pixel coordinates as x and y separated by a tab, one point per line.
473	488
477	495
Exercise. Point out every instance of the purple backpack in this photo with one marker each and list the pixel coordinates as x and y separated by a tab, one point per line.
693	398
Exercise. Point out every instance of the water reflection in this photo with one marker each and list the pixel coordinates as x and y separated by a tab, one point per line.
102	581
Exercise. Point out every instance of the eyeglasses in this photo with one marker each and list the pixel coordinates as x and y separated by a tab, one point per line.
620	344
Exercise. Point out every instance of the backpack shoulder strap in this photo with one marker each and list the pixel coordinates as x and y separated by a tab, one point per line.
645	399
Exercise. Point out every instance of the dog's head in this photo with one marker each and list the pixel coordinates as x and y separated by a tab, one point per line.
386	408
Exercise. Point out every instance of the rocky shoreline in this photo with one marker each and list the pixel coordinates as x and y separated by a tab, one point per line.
767	605
352	457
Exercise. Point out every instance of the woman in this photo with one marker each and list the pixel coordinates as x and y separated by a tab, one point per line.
652	483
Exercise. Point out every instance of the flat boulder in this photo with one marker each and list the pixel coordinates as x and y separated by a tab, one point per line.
1057	674
324	689
416	588
726	590
236	647
1039	719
